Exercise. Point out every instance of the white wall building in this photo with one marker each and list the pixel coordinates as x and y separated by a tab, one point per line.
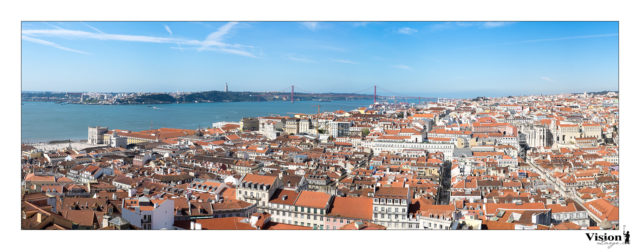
148	214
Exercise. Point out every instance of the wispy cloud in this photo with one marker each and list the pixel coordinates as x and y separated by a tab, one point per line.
313	26
543	40
166	27
180	47
407	30
297	58
213	42
343	61
215	37
201	23
453	25
494	24
548	79
40	41
53	26
400	66
93	28
360	24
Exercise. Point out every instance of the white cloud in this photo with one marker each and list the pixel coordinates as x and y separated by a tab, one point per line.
93	28
343	61
400	66
213	40
548	79
166	27
311	25
297	58
407	30
39	41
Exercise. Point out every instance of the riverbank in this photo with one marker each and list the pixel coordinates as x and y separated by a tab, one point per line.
46	121
44	146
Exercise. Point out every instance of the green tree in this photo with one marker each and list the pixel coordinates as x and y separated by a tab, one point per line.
365	132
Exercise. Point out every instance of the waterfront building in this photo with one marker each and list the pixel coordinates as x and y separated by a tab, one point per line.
96	135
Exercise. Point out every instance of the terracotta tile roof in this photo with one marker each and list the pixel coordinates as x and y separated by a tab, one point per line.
229	223
279	194
567	225
282	226
259	179
603	209
352	207
392	192
492	208
312	199
365	226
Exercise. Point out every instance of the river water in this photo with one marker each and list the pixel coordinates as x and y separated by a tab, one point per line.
46	121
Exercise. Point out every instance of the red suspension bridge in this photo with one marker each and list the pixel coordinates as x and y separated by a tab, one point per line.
299	92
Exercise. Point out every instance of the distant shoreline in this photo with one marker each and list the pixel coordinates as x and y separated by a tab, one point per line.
195	102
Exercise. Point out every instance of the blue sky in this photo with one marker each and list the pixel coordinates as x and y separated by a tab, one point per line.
435	59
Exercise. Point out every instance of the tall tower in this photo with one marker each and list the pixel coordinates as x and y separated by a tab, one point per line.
226	87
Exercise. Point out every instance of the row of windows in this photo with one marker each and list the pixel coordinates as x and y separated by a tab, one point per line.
438	226
389	201
447	146
389	210
315	226
315	210
389	216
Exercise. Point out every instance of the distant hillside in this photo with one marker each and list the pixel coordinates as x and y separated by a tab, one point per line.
218	96
153	98
597	93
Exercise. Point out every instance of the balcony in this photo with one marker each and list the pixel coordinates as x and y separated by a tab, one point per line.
251	197
148	220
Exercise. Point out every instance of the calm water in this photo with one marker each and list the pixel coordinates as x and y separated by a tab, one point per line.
45	121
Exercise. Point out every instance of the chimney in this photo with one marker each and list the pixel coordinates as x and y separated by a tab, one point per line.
105	220
132	192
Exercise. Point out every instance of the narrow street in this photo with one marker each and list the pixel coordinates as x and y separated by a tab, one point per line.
445	184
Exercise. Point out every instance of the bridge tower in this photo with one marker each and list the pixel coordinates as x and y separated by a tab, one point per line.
375	89
292	94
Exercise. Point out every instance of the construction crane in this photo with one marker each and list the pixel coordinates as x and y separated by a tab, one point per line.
317	124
